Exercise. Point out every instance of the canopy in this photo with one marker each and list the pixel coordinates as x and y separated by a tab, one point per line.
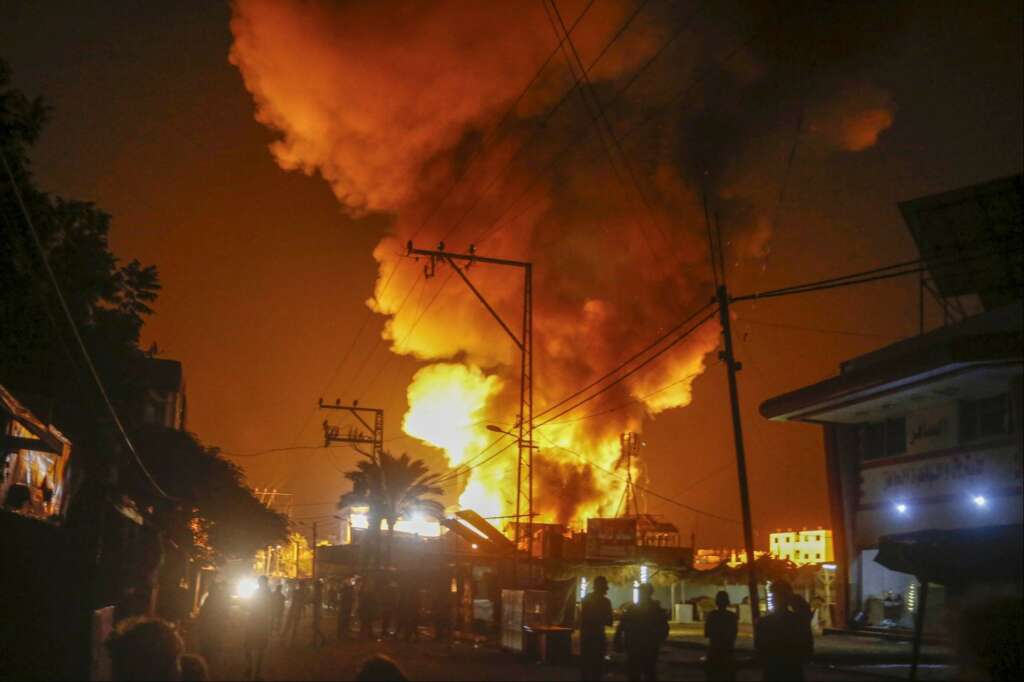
955	557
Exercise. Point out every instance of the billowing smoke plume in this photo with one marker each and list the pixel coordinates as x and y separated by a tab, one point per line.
401	107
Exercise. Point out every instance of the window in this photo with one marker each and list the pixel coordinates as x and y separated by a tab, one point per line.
984	418
818	555
883	439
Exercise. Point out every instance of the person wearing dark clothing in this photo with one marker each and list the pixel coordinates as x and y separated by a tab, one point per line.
276	609
213	621
783	638
441	610
388	606
642	630
145	649
367	608
720	628
295	612
318	606
595	616
346	600
193	668
257	629
408	610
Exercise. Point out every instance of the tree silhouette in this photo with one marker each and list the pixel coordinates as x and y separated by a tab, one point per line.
391	488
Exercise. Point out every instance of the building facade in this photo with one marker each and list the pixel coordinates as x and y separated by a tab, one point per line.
922	435
803	547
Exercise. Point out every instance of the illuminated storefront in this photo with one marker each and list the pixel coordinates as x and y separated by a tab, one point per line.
922	438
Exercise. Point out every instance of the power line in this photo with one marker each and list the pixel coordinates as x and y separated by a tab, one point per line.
653	344
74	329
632	371
817	329
644	489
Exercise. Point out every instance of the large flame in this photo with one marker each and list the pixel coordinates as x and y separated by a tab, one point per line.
390	103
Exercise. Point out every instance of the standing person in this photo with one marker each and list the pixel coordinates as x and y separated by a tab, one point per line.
367	607
213	621
641	632
720	628
276	608
257	629
388	606
318	606
346	600
783	638
595	616
295	612
143	648
408	609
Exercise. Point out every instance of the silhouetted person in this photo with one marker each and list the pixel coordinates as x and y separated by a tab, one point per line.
346	600
295	611
641	632
145	649
720	628
193	668
257	629
276	608
441	610
318	607
213	621
388	606
408	609
380	668
367	608
783	637
595	616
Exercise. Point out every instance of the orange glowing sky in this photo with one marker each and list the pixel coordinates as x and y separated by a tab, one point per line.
265	276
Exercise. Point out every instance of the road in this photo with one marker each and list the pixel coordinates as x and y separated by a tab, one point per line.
429	660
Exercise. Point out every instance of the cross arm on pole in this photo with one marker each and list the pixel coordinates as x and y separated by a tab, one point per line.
492	311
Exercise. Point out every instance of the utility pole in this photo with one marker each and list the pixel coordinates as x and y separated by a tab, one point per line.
741	461
629	446
524	342
333	434
314	550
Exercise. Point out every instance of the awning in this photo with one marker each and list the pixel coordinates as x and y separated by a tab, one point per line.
956	557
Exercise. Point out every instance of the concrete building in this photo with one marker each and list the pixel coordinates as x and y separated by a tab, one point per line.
803	546
923	437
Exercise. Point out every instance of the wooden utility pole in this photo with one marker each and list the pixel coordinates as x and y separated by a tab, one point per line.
741	460
314	550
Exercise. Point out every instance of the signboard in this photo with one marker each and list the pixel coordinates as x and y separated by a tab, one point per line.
611	538
932	429
956	474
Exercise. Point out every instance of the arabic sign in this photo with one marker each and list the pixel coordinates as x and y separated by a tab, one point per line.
611	538
951	474
932	429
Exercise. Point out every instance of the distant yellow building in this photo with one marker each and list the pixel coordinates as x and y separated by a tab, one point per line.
803	546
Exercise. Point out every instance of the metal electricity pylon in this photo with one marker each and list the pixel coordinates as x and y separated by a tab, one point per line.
524	342
354	436
629	447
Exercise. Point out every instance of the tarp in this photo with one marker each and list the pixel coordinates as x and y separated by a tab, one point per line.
955	557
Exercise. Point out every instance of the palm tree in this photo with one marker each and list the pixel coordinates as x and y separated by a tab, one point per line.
391	488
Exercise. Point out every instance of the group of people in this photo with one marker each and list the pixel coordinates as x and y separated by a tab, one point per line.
782	638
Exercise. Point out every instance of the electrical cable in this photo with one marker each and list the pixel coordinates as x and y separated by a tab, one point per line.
76	333
632	371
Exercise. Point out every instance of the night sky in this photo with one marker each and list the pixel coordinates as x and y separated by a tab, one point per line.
265	276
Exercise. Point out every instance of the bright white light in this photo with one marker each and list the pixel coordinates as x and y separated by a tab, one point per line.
636	591
901	508
246	587
583	587
475	546
829	567
980	501
643	573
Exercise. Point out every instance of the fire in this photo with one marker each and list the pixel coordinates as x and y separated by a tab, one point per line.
446	408
377	99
